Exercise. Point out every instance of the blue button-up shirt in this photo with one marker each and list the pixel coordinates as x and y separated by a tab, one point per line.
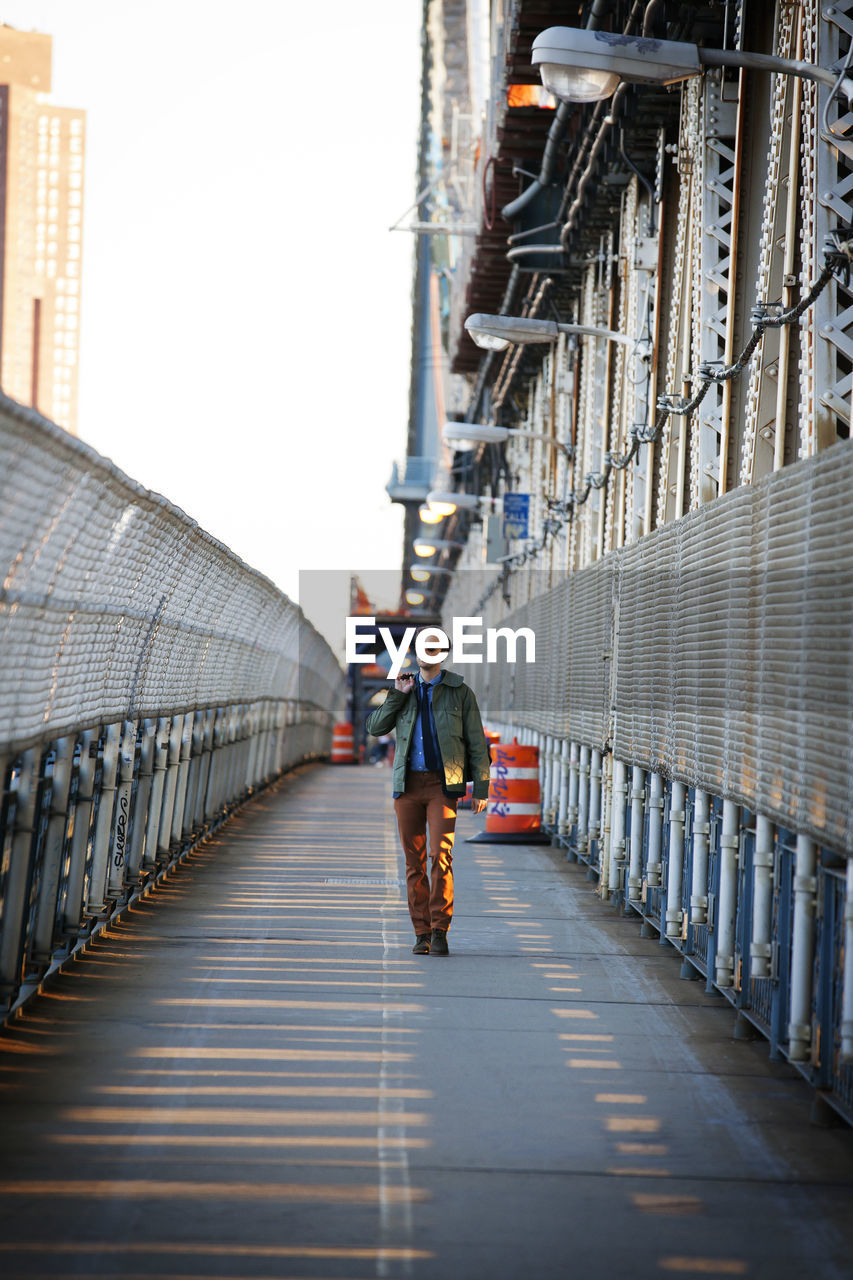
416	755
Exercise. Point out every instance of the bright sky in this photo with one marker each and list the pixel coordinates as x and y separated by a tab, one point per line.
245	315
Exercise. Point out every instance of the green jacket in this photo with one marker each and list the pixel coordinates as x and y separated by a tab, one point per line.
464	750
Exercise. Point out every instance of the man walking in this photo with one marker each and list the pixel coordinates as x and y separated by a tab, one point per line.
440	745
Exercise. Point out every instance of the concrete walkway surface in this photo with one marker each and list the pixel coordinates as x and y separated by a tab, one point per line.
251	1076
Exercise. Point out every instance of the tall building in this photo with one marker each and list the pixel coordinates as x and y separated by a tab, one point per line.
41	221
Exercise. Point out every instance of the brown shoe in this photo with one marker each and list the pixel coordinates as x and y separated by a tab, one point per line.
438	945
421	947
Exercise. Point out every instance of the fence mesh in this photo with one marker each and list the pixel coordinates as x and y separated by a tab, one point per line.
717	650
115	604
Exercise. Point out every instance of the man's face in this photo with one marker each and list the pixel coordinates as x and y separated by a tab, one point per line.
430	650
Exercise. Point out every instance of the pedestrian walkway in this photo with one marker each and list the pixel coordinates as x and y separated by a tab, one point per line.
251	1075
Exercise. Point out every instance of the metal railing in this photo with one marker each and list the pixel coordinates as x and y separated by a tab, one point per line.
150	683
761	912
692	700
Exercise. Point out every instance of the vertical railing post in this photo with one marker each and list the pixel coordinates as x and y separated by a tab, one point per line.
182	779
605	810
190	825
204	768
675	860
542	742
170	786
701	844
230	756
117	878
552	780
584	794
271	742
139	820
653	862
563	802
18	877
635	866
244	730
556	781
729	845
802	950
761	946
617	827
256	723
595	783
96	901
44	930
81	822
283	735
158	789
847	979
276	739
211	803
570	818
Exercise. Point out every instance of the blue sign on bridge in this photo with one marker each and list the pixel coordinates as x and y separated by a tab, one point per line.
516	515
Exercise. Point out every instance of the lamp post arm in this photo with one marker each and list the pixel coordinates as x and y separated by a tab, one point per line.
539	435
593	332
768	62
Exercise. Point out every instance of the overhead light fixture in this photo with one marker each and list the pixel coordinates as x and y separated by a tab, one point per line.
494	333
465	434
579	65
420	573
449	503
430	516
442	504
426	547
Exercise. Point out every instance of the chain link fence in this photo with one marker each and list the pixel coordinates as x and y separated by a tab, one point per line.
150	682
716	651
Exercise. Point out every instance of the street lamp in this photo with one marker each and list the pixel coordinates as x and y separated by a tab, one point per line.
448	503
430	516
463	434
494	333
578	65
422	573
426	547
441	504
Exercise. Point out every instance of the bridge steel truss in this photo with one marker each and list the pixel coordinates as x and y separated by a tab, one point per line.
151	682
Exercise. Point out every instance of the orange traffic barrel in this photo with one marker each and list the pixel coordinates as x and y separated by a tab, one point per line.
342	744
514	809
491	736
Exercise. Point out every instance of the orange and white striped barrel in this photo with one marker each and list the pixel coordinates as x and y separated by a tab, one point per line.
342	744
491	736
514	796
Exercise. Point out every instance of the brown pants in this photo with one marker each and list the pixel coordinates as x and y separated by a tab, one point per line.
423	804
